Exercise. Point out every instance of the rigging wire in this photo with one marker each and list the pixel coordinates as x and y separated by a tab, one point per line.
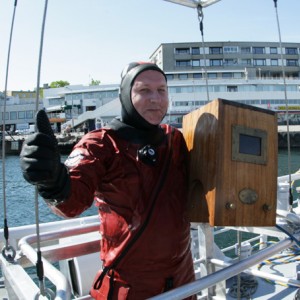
239	240
286	109
39	263
7	247
200	18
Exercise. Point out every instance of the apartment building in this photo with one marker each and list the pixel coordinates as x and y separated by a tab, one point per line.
262	74
248	72
228	60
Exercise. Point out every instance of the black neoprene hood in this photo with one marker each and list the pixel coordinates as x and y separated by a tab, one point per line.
129	114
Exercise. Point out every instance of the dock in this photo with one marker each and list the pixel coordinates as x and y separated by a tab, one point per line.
294	133
66	142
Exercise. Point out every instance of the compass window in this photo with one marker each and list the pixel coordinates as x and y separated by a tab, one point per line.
249	145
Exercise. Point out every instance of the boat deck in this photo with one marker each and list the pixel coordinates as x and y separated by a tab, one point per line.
265	290
3	293
284	262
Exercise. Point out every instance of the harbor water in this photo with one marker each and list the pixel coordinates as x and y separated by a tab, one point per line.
20	199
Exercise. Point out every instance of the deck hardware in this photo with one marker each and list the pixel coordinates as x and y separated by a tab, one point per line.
267	207
230	205
9	253
248	196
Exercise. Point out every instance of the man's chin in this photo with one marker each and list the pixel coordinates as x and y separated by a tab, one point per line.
154	121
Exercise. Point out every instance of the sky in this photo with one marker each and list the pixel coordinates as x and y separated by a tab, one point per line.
95	39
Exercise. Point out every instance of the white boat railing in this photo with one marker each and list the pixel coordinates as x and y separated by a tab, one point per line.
17	233
226	273
63	289
285	178
53	251
59	252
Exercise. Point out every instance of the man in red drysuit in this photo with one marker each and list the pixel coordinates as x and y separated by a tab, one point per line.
136	172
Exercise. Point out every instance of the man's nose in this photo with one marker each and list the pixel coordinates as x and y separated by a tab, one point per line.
155	96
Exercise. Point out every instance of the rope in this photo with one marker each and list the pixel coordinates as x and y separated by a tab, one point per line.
283	258
39	263
200	18
7	248
244	285
286	106
239	282
247	287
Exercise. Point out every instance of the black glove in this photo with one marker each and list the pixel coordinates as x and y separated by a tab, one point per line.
41	165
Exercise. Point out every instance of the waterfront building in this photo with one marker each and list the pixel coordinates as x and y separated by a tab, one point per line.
254	73
19	110
247	72
78	106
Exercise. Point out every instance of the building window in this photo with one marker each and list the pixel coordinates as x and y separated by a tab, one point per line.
291	51
292	62
182	50
6	116
77	96
68	97
258	50
215	50
170	76
187	89
274	62
196	62
245	50
55	101
232	88
174	90
273	50
21	115
237	75
215	62
13	115
230	49
227	75
197	75
29	114
259	62
246	62
212	75
183	63
195	50
182	76
230	62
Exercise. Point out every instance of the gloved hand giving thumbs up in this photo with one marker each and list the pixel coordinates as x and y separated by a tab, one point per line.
41	165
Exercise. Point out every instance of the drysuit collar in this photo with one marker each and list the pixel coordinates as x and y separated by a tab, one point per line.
154	136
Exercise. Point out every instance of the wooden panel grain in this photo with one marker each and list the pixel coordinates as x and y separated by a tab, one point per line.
216	180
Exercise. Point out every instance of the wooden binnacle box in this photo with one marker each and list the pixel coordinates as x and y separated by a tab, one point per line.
233	164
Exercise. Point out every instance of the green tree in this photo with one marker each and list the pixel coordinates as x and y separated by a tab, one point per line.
59	83
94	82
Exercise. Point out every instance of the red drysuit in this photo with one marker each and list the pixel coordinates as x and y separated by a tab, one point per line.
106	169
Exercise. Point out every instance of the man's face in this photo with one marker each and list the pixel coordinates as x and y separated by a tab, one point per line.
149	95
